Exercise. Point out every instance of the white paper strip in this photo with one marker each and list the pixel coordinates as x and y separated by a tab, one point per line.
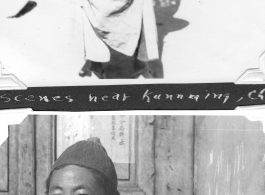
11	117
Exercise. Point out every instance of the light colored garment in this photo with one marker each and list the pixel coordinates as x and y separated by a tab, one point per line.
119	31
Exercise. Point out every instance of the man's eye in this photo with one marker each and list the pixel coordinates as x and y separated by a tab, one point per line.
57	193
82	192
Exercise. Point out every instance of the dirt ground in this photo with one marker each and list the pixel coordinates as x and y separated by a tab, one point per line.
199	41
210	41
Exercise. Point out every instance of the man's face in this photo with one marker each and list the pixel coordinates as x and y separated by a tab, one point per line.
74	180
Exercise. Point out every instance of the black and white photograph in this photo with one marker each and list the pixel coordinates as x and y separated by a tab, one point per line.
69	154
80	42
66	130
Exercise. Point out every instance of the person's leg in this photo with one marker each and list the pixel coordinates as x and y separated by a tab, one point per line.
119	67
85	71
154	67
142	68
89	67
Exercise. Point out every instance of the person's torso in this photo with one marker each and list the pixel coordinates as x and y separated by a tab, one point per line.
117	22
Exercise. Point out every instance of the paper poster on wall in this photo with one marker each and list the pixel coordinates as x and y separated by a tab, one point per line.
115	132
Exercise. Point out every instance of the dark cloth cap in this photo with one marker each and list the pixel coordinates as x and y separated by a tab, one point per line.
91	154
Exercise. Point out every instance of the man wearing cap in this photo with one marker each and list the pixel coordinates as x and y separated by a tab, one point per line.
83	169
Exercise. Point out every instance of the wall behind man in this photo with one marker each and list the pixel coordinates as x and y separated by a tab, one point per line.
191	155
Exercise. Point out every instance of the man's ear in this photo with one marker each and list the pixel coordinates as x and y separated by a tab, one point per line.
27	8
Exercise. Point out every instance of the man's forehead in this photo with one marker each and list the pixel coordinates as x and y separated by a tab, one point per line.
73	175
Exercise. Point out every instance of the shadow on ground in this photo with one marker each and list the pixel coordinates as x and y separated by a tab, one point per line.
166	23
